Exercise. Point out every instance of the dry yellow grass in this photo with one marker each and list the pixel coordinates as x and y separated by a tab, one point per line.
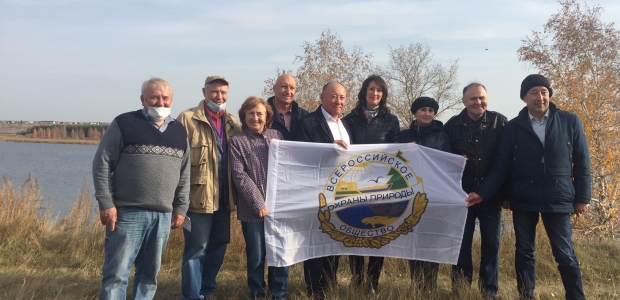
41	258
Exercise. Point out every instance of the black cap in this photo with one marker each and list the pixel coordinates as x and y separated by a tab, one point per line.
533	80
424	102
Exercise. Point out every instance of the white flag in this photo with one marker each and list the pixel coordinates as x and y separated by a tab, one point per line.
391	200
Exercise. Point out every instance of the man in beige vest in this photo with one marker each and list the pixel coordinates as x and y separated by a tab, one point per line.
209	127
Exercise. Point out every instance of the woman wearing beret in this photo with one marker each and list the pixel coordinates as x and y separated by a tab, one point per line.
425	131
371	123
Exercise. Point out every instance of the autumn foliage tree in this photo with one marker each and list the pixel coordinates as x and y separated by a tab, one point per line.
580	54
92	132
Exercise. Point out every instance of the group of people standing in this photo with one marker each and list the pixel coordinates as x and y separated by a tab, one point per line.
152	171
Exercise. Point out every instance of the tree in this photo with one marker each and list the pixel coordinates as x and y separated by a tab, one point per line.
581	56
411	72
323	61
63	131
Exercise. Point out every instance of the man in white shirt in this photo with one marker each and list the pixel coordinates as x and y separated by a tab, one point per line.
324	125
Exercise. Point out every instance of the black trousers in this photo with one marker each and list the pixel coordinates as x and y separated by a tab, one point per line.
375	264
319	273
424	274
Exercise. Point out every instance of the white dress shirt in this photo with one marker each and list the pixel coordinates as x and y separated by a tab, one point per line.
339	132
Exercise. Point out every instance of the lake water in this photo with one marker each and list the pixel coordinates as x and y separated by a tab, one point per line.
61	170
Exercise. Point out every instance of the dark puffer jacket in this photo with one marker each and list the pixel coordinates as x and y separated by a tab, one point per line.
382	129
549	178
431	136
480	150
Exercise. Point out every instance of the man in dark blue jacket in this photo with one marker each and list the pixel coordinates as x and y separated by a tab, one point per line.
286	112
544	154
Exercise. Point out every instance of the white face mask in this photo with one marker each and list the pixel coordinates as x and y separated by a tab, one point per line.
158	113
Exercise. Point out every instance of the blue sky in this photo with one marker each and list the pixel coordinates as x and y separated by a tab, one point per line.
72	60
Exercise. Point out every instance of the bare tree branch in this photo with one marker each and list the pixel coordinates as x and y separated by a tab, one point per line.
411	72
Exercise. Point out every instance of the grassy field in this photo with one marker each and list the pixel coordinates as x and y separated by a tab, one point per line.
42	258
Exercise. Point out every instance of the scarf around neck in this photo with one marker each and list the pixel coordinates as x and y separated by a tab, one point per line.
371	112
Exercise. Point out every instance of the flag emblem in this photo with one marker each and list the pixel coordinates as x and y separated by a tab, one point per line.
371	199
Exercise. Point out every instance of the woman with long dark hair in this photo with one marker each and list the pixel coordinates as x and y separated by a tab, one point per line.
371	123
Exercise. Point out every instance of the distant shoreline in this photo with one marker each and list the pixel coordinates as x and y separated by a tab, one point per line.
22	139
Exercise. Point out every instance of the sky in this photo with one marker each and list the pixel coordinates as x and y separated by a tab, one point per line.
85	60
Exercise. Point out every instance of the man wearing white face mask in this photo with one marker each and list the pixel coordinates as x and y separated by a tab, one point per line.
209	128
141	176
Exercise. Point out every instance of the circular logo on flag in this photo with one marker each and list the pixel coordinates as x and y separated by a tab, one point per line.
371	199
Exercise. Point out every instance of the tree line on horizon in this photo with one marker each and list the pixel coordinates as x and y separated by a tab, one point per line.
62	131
576	51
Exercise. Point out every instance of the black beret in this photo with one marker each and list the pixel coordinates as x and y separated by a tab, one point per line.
424	102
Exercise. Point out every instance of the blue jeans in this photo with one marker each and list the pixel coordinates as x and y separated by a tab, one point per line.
254	235
490	231
203	253
559	231
139	237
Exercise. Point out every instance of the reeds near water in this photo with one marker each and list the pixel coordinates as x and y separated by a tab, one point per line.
45	258
25	139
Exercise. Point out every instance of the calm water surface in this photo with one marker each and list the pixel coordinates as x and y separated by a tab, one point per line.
60	168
